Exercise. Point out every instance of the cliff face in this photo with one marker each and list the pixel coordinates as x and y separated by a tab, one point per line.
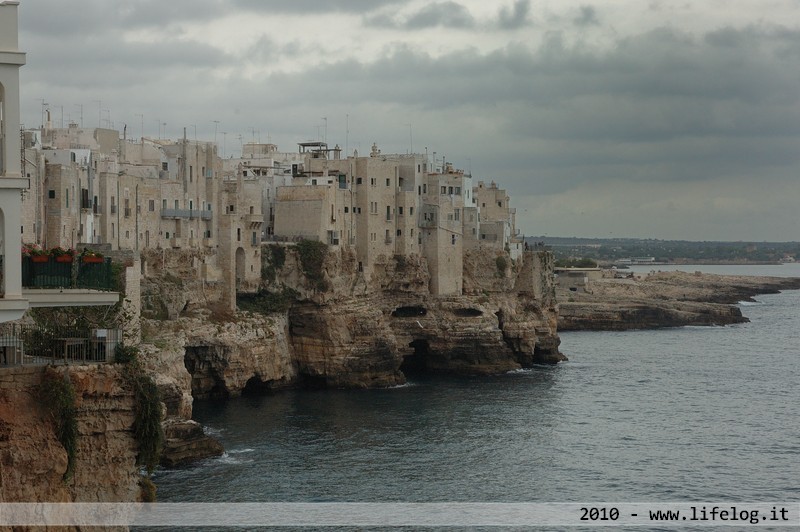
337	328
33	461
367	333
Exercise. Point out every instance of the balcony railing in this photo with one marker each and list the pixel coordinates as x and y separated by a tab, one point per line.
189	214
39	345
75	274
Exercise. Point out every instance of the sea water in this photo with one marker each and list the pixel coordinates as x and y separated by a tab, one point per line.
686	414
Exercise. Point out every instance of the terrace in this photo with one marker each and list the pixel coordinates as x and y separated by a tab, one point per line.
28	345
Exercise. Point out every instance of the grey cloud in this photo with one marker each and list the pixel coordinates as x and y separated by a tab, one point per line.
315	7
516	17
439	14
447	14
587	17
110	62
101	17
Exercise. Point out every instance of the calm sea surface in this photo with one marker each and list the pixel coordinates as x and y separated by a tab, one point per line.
693	414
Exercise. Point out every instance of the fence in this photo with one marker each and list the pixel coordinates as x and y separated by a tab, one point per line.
38	345
74	274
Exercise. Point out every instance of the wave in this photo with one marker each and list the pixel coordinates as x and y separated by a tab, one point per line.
749	303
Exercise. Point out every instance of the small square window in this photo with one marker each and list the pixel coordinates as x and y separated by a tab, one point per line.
51	194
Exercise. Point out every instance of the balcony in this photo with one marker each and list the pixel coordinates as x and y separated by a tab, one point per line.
71	275
176	242
186	214
253	220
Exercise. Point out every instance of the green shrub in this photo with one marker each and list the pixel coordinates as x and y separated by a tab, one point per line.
58	396
147	422
312	256
124	354
267	302
501	264
576	263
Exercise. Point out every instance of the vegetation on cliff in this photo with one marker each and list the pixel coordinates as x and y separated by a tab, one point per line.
147	421
312	255
57	394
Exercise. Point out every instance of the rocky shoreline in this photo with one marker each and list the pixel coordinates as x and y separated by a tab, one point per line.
664	299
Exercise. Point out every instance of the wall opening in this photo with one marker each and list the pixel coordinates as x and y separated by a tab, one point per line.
409	312
416	363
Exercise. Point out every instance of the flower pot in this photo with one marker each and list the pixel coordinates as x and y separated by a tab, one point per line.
64	258
93	260
40	258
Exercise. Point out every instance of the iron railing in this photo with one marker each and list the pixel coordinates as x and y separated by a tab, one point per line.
75	274
41	345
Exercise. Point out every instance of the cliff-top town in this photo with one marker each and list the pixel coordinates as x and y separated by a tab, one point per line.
95	188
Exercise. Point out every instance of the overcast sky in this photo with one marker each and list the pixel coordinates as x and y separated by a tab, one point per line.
624	118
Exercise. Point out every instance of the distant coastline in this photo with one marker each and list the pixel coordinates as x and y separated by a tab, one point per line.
663	299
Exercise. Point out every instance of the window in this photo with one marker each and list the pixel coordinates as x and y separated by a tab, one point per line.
411	211
444	190
238	234
165	166
67	197
167	235
191	205
453	239
313	181
418	168
252	209
483	205
458	214
424	188
399	211
388	213
253	239
127	234
399	232
346	210
231	209
388	182
499	203
419	190
458	191
372	181
51	194
450	190
112	230
151	205
358	180
176	204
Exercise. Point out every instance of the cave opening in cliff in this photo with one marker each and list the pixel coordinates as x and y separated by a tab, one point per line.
409	312
417	362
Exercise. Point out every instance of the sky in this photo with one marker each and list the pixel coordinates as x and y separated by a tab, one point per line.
614	118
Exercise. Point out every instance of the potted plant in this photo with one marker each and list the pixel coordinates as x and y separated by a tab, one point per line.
62	255
35	252
89	256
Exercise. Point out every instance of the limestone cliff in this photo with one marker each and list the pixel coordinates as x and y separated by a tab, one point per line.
665	299
33	461
343	330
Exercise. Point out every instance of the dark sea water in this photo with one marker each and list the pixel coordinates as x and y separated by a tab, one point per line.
688	414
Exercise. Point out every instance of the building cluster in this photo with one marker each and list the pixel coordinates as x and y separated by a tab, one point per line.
91	187
97	188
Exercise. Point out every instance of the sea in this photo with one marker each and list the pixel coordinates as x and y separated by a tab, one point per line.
680	414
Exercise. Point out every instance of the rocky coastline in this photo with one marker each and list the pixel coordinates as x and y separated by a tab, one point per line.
663	299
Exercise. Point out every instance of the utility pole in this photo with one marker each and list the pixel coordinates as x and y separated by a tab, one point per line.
216	123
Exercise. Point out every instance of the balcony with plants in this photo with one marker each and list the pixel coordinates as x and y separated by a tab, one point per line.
65	269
